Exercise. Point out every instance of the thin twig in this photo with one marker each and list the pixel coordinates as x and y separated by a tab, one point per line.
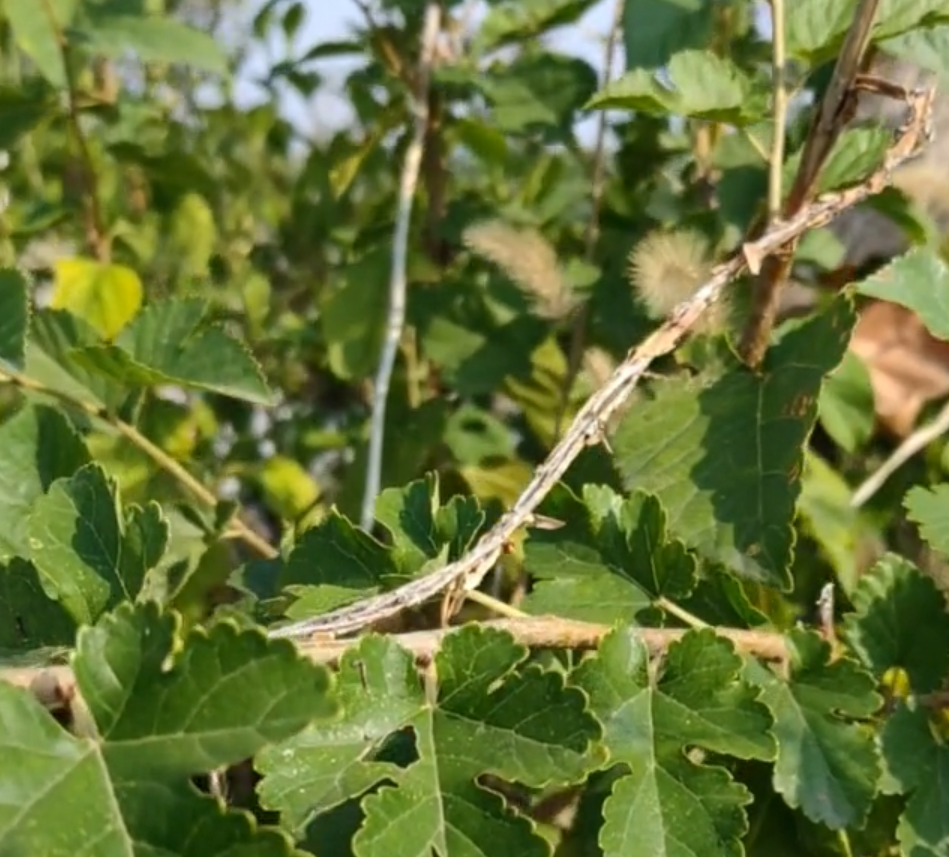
238	528
592	233
466	573
55	686
95	222
831	117
780	109
917	441
418	104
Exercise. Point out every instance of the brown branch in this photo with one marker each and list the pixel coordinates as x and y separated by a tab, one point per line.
466	573
94	219
55	686
829	121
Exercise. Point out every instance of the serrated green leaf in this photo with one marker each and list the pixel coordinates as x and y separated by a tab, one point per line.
816	29
482	714
719	598
421	527
105	296
928	508
610	561
724	454
14	317
335	563
91	554
900	621
826	767
918	280
37	446
918	766
667	803
29	618
703	85
125	789
170	343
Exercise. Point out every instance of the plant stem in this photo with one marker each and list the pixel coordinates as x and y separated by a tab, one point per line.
598	184
778	71
397	281
680	613
53	684
830	118
238	528
502	608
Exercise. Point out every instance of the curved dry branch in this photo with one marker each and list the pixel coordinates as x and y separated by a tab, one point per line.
467	573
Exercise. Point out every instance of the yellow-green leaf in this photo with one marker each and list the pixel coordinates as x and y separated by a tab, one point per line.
288	489
104	296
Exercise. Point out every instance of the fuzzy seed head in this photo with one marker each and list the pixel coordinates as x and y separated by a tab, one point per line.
529	260
668	267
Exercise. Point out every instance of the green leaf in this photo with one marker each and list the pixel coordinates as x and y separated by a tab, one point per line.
524	20
336	563
37	446
655	30
702	84
288	488
56	337
826	767
23	108
35	27
918	280
91	554
900	621
105	296
420	526
14	317
828	517
609	561
125	788
917	765
170	343
666	803
484	713
29	618
846	405
537	92
352	316
927	507
724	453
154	38
816	29
926	48
855	155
